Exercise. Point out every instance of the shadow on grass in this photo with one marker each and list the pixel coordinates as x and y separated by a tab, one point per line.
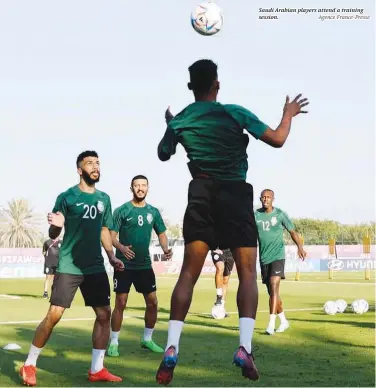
204	360
360	324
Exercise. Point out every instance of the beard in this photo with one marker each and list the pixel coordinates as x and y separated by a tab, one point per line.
88	179
139	196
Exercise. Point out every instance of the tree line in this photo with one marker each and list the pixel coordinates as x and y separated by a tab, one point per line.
20	227
318	232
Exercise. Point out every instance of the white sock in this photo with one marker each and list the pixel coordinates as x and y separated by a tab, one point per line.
148	333
174	331
219	292
115	337
272	320
282	317
246	327
34	353
97	360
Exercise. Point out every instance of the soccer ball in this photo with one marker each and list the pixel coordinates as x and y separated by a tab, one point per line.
364	304
341	305
359	306
330	307
218	312
207	18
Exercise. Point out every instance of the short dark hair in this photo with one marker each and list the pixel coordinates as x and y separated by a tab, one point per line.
138	177
263	191
202	74
84	155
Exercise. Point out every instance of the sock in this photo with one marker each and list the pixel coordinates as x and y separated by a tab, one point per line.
272	320
115	337
282	317
148	333
174	331
246	327
219	292
34	353
97	360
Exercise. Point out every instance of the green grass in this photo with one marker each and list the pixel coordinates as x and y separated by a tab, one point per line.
318	350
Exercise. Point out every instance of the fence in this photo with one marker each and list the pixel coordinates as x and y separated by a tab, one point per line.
29	263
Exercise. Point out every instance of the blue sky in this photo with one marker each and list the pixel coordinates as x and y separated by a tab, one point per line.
79	75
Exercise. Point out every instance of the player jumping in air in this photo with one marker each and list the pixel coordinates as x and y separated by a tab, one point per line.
134	222
85	213
271	223
224	263
220	202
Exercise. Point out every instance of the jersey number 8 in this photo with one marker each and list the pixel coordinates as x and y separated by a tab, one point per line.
140	220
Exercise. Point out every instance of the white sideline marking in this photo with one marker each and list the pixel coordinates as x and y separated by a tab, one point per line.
142	316
5	296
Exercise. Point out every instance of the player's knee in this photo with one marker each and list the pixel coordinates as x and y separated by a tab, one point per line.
219	272
54	315
120	302
103	314
225	280
274	289
152	303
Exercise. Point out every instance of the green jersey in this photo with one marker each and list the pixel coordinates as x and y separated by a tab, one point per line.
212	135
85	215
135	225
270	228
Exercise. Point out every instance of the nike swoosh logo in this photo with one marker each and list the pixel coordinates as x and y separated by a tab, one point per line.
128	219
277	271
79	204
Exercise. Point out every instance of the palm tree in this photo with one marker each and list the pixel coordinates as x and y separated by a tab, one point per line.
19	226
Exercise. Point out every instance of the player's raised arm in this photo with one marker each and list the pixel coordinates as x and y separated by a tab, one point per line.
167	146
277	138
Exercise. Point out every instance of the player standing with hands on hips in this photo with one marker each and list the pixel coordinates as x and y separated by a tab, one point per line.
220	202
271	222
85	213
134	222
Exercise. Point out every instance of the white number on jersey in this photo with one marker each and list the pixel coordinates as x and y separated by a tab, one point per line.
115	284
140	220
91	212
265	225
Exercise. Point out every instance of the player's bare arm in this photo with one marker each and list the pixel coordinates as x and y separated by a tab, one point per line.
125	250
56	221
277	138
297	240
163	241
106	240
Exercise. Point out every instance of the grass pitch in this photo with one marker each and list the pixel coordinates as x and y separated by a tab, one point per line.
318	349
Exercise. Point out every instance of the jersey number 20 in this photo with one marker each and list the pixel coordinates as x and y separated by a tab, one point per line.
91	212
